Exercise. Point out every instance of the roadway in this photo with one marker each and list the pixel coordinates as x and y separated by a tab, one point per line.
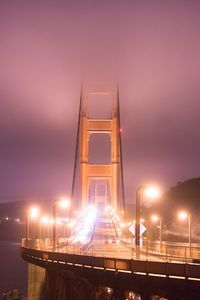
104	239
100	234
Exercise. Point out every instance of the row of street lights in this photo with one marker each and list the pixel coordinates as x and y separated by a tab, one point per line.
150	192
182	215
34	212
153	193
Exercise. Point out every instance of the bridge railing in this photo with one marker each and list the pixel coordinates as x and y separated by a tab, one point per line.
169	252
167	269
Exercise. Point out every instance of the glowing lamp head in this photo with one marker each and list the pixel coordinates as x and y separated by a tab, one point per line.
183	215
64	203
45	220
152	192
34	212
155	218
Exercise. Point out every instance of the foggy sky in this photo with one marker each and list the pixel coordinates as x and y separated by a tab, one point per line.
151	48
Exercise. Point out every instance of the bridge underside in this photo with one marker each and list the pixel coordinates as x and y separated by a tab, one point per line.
72	282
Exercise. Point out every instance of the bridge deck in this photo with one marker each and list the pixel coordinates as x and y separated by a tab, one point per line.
190	271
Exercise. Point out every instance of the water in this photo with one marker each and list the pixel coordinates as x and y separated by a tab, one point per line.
13	270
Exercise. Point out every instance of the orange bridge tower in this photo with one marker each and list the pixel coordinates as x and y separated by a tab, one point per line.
101	184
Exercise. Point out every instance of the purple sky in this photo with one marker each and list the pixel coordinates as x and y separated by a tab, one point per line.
47	47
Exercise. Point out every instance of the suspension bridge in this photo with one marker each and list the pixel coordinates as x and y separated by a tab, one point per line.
93	259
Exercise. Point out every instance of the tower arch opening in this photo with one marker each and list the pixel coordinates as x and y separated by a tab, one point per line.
99	148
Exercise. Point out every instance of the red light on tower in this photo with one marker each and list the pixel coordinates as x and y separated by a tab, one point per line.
120	130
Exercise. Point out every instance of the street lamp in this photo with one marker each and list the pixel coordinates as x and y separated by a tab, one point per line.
183	215
44	221
63	203
156	218
33	213
150	192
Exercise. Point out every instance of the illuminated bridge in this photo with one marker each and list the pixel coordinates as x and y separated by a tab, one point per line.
87	255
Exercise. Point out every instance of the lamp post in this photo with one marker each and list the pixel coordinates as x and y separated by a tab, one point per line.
137	222
63	203
150	192
44	221
185	215
33	213
147	238
54	226
146	223
156	218
27	230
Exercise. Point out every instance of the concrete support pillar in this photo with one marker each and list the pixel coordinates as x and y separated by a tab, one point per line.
36	280
67	286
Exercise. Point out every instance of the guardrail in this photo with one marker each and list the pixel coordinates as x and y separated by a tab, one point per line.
175	249
189	271
169	252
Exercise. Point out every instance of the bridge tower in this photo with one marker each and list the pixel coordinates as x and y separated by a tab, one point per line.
106	175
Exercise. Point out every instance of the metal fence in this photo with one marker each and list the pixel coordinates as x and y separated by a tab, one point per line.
170	252
188	271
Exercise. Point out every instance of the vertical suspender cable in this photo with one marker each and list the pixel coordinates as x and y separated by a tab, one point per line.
120	145
77	148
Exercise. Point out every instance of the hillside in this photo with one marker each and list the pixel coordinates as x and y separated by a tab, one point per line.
18	209
13	215
184	196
